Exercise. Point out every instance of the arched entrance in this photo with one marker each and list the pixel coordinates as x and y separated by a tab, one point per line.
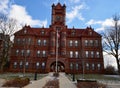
60	67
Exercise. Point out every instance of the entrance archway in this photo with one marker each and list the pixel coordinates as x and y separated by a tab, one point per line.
60	67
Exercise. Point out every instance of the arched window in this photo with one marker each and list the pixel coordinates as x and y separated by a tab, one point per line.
76	43
38	53
39	42
37	65
70	43
97	54
98	66
87	66
28	52
21	64
86	54
92	54
86	42
76	54
17	52
93	66
71	54
43	65
44	42
71	66
77	66
44	53
15	64
26	65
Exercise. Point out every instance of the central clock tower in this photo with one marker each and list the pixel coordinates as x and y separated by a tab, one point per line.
58	15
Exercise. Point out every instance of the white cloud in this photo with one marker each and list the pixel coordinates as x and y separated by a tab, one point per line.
106	23
20	14
109	60
75	13
74	1
92	21
4	6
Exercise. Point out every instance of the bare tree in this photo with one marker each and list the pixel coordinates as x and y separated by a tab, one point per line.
7	29
111	43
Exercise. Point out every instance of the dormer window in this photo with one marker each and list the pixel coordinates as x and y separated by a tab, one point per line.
90	32
25	31
42	32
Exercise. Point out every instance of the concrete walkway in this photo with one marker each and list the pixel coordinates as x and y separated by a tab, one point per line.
64	82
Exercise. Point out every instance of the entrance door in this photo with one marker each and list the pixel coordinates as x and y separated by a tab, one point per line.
60	67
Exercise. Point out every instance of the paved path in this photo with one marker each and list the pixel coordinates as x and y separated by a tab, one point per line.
63	80
1	82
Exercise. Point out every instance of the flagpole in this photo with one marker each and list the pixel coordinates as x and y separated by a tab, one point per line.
56	51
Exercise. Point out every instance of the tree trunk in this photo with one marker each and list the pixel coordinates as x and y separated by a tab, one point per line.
118	65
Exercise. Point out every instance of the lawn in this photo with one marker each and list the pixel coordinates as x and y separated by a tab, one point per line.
31	76
98	77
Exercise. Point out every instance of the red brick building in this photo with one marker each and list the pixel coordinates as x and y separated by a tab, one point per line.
78	50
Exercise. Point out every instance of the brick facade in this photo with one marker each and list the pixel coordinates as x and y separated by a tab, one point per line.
78	50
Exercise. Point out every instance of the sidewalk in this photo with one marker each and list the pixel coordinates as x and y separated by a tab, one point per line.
63	80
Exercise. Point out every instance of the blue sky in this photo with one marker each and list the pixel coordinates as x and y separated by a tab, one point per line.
79	13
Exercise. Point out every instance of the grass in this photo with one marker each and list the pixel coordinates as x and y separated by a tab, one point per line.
8	76
96	77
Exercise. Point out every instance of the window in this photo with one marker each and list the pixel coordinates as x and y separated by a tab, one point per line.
96	42
43	65
98	66
77	66
23	41
92	54
87	66
91	42
71	54
42	32
97	54
90	32
93	66
44	42
18	41
86	42
76	54
70	43
37	65
26	65
25	31
28	52
21	64
38	53
39	42
73	33
71	66
86	54
22	53
44	53
17	52
29	41
15	64
76	43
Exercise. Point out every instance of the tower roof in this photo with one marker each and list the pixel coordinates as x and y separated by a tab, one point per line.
58	5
